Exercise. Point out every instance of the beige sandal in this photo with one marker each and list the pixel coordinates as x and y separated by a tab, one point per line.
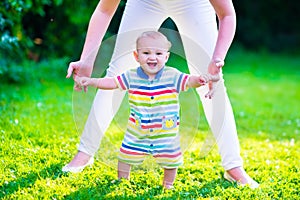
251	183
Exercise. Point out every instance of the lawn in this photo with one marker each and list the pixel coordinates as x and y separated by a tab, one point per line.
41	122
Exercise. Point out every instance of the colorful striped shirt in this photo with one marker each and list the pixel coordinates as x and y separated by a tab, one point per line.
153	123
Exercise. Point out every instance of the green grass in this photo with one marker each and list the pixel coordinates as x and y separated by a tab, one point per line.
39	135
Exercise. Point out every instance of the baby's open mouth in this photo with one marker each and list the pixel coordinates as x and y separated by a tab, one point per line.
150	64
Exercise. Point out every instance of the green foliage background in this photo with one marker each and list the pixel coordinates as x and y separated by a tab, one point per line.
43	29
269	24
39	30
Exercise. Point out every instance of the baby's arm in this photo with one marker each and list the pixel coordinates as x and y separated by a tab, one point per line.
107	83
197	81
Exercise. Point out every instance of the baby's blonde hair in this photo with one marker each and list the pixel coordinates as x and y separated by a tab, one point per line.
154	35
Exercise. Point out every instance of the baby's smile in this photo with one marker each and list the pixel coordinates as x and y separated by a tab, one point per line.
152	64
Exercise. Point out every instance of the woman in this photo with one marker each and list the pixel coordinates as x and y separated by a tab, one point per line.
196	22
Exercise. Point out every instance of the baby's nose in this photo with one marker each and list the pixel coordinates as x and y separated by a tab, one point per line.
152	56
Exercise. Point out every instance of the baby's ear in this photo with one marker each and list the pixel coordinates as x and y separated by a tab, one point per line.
136	56
168	55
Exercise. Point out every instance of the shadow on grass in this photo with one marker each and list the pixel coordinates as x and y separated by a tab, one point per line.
28	180
209	189
149	192
116	190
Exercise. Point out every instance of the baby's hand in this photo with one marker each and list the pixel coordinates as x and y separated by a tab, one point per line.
84	81
202	80
207	78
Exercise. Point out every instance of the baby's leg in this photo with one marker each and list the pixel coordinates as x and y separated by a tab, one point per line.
169	177
123	170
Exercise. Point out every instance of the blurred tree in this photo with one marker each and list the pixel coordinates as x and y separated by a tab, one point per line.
38	29
15	43
272	25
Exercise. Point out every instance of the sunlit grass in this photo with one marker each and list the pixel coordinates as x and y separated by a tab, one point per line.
39	135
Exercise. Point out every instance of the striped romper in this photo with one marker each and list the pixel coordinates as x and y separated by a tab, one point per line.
153	125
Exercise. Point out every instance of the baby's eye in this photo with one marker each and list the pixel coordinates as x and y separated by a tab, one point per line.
145	52
158	53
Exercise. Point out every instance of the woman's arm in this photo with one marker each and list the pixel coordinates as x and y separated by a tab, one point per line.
97	28
227	25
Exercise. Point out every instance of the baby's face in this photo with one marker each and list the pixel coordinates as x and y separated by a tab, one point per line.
152	54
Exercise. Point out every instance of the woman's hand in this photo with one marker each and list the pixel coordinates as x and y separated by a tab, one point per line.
215	66
79	69
213	69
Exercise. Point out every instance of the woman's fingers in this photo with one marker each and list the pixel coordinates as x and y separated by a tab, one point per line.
72	68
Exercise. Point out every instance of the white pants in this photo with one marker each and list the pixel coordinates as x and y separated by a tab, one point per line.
196	22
